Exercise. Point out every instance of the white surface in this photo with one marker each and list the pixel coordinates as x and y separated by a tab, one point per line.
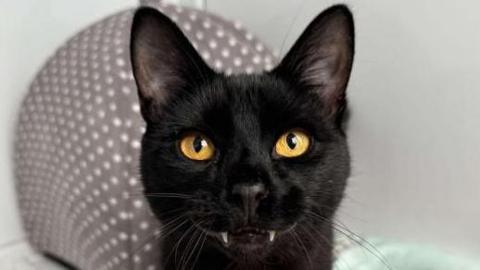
415	128
414	93
21	257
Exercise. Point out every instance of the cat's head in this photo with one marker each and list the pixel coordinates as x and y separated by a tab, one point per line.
246	159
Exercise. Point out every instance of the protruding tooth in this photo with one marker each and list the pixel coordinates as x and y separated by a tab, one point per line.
224	237
272	235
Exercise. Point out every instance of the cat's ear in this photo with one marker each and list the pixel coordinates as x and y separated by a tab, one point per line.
321	59
164	62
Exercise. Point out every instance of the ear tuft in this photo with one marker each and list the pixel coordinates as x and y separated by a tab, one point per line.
320	61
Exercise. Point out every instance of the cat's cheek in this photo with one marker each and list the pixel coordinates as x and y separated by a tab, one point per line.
294	200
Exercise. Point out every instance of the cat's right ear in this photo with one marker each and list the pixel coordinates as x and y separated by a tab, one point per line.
164	62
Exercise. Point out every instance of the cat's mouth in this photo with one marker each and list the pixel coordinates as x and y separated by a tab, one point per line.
249	238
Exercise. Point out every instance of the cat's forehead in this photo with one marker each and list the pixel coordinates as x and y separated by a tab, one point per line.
235	103
246	103
252	91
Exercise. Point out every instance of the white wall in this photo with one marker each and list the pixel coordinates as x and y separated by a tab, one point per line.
414	93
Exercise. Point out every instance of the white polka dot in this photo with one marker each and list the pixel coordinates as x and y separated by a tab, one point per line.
232	41
112	201
218	64
120	62
133	181
122	236
123	215
199	35
136	258
237	61
144	225
195	45
238	25
126	90
259	47
207	24
117	121
178	9
136	144
256	59
174	17
123	255
136	107
117	158
110	143
124	137
212	44
220	33
206	55
134	237
225	53
100	150
187	26
137	204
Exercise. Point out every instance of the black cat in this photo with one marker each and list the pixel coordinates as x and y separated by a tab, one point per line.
244	171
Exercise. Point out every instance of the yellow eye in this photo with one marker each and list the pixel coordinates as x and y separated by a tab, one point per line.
292	143
196	146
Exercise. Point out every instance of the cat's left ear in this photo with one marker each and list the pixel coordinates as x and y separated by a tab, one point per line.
320	61
164	61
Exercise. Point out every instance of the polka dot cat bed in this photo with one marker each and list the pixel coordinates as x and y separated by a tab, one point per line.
79	134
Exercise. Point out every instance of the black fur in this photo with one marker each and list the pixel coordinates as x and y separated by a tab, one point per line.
244	115
60	261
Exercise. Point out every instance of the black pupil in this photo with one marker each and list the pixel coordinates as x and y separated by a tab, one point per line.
292	140
198	144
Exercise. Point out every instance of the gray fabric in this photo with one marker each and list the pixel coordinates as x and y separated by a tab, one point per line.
79	134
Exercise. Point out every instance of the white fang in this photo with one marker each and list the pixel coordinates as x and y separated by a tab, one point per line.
224	237
272	235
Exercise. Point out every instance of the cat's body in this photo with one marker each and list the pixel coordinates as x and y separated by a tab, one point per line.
244	171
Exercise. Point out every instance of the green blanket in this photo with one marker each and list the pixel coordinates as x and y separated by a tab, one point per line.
384	255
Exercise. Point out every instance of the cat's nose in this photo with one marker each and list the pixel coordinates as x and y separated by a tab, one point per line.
250	195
